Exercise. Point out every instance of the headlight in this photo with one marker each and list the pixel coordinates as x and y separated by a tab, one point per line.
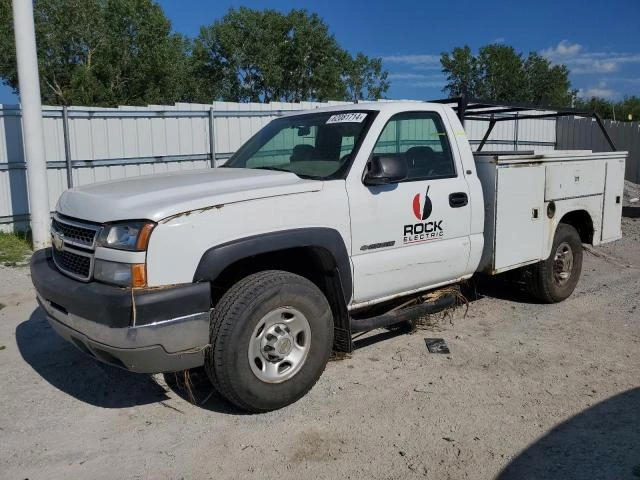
122	274
126	236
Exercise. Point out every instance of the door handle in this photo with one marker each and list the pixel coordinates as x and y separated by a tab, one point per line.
458	199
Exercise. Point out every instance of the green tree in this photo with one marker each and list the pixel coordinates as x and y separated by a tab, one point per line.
100	52
462	71
629	106
263	56
502	77
607	109
500	74
364	78
602	107
547	84
117	52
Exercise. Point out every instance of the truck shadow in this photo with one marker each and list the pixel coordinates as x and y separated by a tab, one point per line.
507	287
631	212
598	443
502	287
71	371
76	374
380	335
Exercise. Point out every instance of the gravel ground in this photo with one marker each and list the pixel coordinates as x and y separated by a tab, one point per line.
631	191
529	391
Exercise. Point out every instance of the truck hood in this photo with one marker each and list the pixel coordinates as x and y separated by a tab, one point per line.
155	197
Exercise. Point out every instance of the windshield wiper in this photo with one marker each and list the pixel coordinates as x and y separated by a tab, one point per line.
280	169
275	169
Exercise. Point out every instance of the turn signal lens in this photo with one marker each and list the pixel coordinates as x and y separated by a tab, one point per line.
138	275
143	236
121	274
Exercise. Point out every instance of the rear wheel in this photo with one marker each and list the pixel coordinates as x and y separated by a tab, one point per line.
271	334
555	278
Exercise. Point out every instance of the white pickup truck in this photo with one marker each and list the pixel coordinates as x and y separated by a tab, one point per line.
319	226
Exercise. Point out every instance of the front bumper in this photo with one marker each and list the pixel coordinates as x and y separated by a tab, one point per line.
149	331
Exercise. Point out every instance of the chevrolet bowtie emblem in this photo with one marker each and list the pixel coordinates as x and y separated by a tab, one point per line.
57	239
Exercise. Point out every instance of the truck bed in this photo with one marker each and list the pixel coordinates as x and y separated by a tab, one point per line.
527	194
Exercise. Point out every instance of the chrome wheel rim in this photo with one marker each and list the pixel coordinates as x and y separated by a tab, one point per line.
279	345
562	263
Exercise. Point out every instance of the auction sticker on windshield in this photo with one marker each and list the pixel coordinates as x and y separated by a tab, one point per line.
355	117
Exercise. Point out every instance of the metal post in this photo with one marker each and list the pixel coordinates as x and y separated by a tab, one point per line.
604	131
515	133
67	146
212	139
462	107
29	85
492	123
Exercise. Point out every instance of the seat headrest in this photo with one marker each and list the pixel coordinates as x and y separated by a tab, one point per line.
302	153
419	151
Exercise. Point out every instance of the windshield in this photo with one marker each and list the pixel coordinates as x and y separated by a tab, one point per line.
316	145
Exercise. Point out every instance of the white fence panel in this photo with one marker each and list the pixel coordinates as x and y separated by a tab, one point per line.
116	143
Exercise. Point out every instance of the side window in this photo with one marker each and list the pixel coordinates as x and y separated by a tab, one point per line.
420	137
346	147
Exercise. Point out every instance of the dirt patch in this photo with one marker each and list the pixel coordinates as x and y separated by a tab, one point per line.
316	446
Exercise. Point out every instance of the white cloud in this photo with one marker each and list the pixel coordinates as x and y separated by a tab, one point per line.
564	49
414	60
580	67
416	65
601	90
498	40
428	84
420	80
400	76
633	81
581	61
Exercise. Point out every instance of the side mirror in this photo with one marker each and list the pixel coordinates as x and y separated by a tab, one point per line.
382	170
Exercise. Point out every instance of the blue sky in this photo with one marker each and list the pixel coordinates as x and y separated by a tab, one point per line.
599	40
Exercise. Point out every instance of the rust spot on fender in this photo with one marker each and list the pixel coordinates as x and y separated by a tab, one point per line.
189	212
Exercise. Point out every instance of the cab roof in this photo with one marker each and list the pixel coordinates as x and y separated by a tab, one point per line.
390	107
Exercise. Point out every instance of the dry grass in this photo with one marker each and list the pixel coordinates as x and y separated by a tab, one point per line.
186	384
193	385
435	321
15	248
338	356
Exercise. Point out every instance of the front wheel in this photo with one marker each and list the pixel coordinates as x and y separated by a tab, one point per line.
555	278
271	336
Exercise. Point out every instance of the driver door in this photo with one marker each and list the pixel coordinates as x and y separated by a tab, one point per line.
415	233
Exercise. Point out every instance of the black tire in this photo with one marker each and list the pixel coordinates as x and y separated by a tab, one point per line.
233	321
545	283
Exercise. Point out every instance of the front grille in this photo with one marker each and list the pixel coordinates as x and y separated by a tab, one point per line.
75	264
74	233
73	243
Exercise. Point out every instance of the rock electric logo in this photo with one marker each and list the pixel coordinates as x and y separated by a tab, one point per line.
423	231
424	212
